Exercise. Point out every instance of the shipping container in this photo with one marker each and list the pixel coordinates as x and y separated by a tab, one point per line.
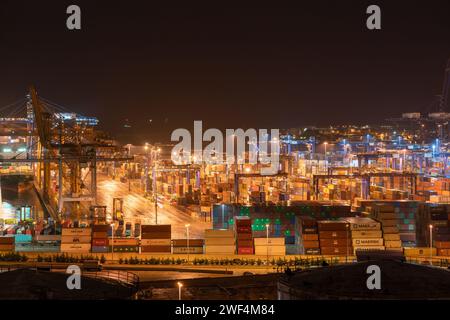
367	242
125	242
75	247
270	241
185	250
334	234
225	249
366	234
335	242
211	233
271	250
76	232
75	239
219	241
100	242
184	242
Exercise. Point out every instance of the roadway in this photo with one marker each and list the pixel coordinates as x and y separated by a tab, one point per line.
137	207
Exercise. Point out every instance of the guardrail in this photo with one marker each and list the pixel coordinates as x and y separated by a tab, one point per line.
125	277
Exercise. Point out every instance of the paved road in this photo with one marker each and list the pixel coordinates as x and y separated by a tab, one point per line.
138	207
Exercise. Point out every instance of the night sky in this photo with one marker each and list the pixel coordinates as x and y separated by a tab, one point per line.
231	64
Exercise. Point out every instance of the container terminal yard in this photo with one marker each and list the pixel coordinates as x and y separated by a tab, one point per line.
224	151
70	191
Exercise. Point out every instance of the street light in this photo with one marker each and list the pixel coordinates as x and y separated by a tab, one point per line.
112	242
346	244
267	243
431	244
179	290
326	162
187	236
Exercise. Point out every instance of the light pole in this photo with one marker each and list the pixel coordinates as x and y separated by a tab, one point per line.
187	238
346	244
112	242
179	290
431	244
326	162
267	244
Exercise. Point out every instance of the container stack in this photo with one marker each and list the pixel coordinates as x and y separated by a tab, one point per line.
47	243
76	240
366	234
307	235
156	238
219	242
270	246
100	242
243	233
334	237
7	244
183	246
125	245
386	215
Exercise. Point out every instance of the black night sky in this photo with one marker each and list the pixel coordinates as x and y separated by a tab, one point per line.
231	64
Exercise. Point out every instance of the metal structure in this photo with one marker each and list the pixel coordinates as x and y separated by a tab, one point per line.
62	149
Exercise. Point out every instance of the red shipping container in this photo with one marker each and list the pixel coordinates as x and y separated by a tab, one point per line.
244	236
442	244
334	234
99	242
443	252
245	229
245	250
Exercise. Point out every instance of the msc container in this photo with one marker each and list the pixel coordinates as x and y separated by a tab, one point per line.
219	241
76	232
366	234
393	244
336	250
367	242
211	233
185	250
391	236
271	250
333	234
124	242
75	247
335	242
99	242
75	239
226	249
184	242
155	242
271	241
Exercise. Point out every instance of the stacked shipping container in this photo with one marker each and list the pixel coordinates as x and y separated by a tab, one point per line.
76	240
184	246
270	246
243	233
156	238
100	238
219	242
334	238
7	244
366	234
307	235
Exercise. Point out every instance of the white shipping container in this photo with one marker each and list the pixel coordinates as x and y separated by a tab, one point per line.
76	232
271	241
368	242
